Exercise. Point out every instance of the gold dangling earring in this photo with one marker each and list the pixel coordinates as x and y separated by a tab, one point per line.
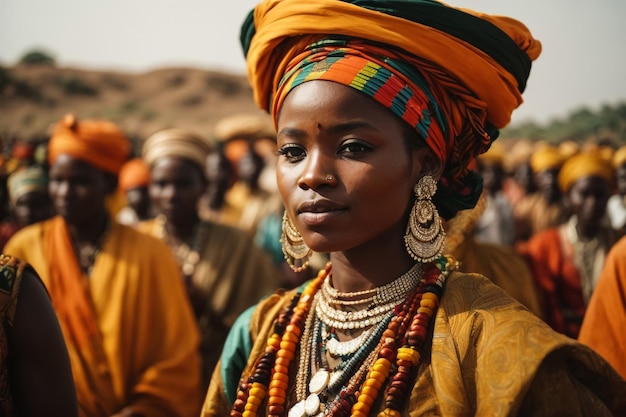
425	237
296	252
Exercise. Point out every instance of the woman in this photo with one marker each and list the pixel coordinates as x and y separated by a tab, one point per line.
35	374
370	123
128	327
223	271
566	261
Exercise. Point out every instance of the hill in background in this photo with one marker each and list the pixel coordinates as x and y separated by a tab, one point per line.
35	95
32	97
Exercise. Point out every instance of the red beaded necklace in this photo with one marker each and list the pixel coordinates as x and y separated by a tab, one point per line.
398	350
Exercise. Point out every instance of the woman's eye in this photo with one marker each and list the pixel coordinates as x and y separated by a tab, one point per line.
292	153
355	147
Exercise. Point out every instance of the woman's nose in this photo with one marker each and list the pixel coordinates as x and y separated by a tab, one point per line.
318	171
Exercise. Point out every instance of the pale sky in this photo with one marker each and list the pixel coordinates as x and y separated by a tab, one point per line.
583	61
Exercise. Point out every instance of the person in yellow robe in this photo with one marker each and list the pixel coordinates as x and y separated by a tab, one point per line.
127	324
380	107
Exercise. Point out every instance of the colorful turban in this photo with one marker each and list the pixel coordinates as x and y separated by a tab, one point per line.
582	165
134	173
546	157
454	75
27	180
177	142
98	142
619	157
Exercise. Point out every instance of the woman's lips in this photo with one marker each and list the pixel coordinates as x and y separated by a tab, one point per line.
318	212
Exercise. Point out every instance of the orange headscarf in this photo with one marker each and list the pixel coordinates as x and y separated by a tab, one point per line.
546	157
98	142
134	173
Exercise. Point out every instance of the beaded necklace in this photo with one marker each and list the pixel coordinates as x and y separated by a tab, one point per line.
389	369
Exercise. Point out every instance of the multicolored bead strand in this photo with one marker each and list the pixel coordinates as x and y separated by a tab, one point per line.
408	356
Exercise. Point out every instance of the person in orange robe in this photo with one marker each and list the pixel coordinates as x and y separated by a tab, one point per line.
604	324
567	260
127	323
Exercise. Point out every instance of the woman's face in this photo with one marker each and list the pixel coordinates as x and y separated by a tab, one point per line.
327	129
176	185
78	190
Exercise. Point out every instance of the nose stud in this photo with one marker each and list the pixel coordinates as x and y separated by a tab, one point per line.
330	178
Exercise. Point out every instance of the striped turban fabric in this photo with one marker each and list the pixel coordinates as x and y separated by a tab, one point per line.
454	75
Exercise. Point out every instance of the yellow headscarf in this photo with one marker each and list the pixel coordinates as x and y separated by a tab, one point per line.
546	157
619	157
582	165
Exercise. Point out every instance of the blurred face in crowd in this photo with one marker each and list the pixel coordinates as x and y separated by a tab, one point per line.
78	190
587	199
493	177
250	167
220	176
524	177
31	208
176	186
548	185
139	200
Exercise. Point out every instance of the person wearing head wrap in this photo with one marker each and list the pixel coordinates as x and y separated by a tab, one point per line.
616	207
380	109
28	200
224	272
567	260
544	209
128	327
248	141
134	179
496	224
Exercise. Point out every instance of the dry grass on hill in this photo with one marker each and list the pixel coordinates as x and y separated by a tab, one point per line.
34	97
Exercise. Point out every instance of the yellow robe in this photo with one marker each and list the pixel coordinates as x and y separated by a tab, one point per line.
148	359
489	357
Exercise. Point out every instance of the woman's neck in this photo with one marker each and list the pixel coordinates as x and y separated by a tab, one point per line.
90	231
182	230
370	265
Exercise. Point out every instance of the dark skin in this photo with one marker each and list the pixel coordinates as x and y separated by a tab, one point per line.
250	167
325	128
493	177
78	192
31	208
39	365
620	180
587	199
220	175
548	186
138	199
175	188
523	175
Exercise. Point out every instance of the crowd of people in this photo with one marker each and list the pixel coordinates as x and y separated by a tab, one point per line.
366	249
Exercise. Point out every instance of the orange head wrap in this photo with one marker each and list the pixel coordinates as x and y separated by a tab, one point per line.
546	157
453	75
494	156
134	173
98	142
585	164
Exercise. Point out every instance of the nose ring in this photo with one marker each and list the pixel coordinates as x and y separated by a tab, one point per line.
330	178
